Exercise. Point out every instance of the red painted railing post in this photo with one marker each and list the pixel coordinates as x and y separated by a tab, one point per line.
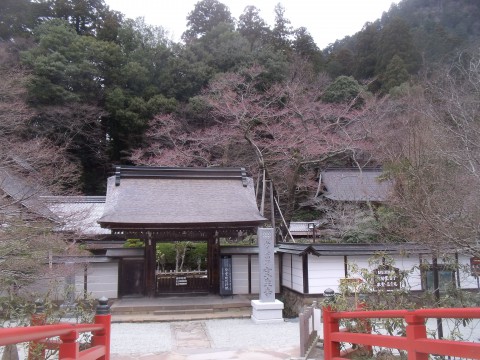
330	349
365	324
36	350
69	348
416	329
102	337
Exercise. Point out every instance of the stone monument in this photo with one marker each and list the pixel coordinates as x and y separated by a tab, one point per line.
267	309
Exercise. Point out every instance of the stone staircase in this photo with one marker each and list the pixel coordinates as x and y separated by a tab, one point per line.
180	308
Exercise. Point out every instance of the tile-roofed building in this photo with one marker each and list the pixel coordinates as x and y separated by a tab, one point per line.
25	194
166	198
355	185
165	204
302	228
78	214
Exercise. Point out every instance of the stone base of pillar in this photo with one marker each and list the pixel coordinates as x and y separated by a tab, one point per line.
267	312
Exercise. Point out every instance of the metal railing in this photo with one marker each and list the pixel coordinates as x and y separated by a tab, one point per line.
38	336
416	343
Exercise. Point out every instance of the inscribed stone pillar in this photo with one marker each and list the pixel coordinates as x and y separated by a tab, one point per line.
266	247
267	309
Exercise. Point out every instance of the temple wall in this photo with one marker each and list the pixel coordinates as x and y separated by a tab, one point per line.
324	272
240	273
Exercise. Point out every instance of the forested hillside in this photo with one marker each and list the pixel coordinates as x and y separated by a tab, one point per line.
95	88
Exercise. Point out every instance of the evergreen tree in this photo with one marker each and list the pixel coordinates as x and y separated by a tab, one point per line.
366	51
341	62
282	30
253	27
396	39
304	45
84	15
19	17
395	74
343	90
204	17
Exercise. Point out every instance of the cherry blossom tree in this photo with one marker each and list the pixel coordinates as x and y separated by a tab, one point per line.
284	128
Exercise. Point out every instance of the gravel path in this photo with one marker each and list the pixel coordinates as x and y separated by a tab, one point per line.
148	338
140	338
243	333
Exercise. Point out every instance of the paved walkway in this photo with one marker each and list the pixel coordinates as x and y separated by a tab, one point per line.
239	339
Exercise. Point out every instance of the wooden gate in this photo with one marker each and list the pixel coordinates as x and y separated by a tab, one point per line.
169	283
131	279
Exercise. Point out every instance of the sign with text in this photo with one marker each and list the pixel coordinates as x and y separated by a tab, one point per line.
475	266
181	281
226	287
386	277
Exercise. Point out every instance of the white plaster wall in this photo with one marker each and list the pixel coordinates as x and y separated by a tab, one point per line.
240	277
287	271
102	280
404	263
297	274
240	274
411	264
467	281
52	283
255	275
359	261
324	272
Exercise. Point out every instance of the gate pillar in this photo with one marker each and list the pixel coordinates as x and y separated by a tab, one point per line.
150	265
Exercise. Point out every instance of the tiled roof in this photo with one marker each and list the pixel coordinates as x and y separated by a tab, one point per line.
352	249
355	185
301	227
161	198
78	214
25	193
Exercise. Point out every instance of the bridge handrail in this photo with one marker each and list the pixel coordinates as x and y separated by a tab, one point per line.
415	342
17	335
450	313
68	333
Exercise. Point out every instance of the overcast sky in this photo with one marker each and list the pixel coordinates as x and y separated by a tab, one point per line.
326	20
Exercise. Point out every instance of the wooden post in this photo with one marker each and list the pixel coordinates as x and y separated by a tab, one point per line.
69	348
272	208
416	329
436	292
365	324
213	254
331	349
303	334
150	262
102	337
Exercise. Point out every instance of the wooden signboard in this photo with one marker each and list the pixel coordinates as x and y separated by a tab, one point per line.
386	277
226	287
475	266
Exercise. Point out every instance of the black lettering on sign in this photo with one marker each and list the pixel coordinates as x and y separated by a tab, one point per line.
226	286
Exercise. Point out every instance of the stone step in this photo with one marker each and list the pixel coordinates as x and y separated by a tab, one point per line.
192	308
182	311
186	316
179	311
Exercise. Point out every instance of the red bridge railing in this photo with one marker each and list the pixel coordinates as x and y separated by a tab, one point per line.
416	343
68	347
